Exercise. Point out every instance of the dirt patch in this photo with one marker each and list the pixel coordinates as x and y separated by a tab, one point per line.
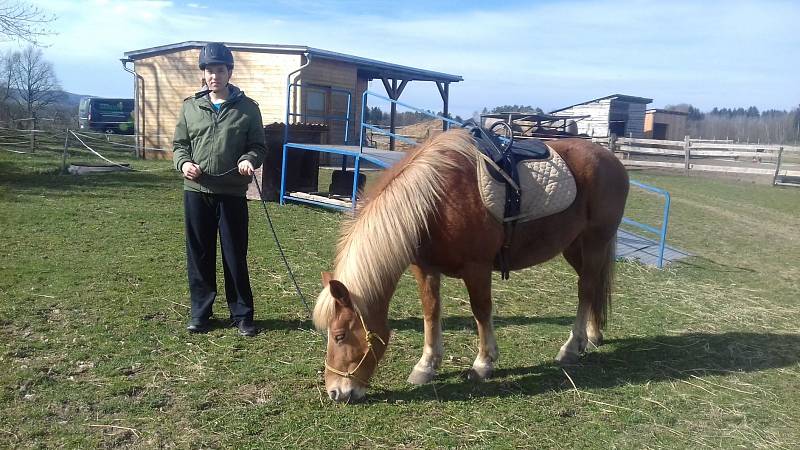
256	394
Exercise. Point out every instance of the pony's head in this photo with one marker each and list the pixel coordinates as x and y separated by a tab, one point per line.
355	343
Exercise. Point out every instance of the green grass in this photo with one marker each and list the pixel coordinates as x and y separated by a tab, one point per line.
93	352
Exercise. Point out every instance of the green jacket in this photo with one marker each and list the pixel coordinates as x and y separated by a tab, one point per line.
218	141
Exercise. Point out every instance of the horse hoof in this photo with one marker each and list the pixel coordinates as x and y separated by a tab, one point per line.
596	341
421	376
567	359
479	374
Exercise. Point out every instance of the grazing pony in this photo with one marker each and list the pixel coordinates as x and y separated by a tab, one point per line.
427	212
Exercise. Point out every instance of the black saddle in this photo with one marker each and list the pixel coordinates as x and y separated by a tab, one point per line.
507	154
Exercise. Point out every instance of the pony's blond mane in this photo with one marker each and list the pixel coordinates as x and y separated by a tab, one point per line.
380	242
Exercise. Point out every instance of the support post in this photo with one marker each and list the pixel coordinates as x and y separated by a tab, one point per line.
612	142
394	92
444	91
64	156
392	116
777	166
687	155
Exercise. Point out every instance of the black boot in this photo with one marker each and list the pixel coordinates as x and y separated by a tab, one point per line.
197	325
246	327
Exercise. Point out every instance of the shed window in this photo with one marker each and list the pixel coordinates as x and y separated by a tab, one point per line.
316	107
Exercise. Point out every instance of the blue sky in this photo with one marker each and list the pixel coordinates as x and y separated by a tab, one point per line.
542	53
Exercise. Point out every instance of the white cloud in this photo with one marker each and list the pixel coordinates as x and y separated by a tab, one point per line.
541	53
91	38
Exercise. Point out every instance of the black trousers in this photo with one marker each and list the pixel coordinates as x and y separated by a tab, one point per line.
205	215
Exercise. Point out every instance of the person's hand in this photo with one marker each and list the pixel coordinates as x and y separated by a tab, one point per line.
191	171
246	168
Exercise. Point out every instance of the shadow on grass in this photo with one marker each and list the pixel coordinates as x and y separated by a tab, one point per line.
468	322
622	362
703	262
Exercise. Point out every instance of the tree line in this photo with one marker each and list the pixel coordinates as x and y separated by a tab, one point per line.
375	115
742	124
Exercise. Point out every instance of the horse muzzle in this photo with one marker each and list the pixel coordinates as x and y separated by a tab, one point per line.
347	395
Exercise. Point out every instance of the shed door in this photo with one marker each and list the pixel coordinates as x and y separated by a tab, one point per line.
660	130
617	127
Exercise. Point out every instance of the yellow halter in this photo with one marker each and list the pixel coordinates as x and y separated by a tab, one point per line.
368	337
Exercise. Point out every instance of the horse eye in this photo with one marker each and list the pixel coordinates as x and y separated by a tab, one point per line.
339	337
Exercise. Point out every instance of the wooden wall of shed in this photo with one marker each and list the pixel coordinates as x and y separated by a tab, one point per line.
635	126
597	124
648	124
676	124
169	78
339	75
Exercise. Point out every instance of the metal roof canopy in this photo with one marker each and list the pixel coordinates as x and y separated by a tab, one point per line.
531	117
535	125
622	97
370	69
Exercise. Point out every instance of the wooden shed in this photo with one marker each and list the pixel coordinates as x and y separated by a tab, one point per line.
665	124
300	83
622	115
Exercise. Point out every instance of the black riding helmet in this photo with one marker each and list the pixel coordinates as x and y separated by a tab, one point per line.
215	53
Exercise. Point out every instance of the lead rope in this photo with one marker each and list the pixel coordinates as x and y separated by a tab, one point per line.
280	249
277	242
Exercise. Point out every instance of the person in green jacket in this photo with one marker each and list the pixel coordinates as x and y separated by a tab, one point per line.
218	143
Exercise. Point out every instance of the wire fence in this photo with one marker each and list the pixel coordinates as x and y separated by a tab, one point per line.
78	148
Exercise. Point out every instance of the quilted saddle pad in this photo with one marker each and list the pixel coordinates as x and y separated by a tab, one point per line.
546	186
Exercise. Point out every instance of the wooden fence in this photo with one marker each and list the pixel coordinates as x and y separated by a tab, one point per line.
781	162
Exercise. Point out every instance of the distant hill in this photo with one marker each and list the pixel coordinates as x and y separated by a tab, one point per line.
70	99
65	99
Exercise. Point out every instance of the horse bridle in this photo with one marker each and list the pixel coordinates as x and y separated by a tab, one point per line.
368	337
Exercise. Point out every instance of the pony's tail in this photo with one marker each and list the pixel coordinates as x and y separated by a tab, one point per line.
601	301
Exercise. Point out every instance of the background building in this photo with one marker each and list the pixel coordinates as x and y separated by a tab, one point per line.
622	115
665	124
324	83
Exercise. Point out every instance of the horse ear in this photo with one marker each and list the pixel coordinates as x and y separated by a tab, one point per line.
326	278
339	292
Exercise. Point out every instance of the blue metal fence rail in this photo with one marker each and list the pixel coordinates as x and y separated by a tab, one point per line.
357	157
365	125
660	232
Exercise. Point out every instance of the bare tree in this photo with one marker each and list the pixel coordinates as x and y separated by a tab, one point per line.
7	63
21	20
35	83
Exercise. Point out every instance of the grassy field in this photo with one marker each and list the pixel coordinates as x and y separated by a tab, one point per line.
93	352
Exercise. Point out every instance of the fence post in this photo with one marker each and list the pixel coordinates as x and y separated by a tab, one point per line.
64	156
33	142
612	142
687	154
777	166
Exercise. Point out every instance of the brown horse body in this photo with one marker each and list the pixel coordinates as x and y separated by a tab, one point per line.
450	232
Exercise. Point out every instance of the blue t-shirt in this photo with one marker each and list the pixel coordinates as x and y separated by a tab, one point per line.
216	106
